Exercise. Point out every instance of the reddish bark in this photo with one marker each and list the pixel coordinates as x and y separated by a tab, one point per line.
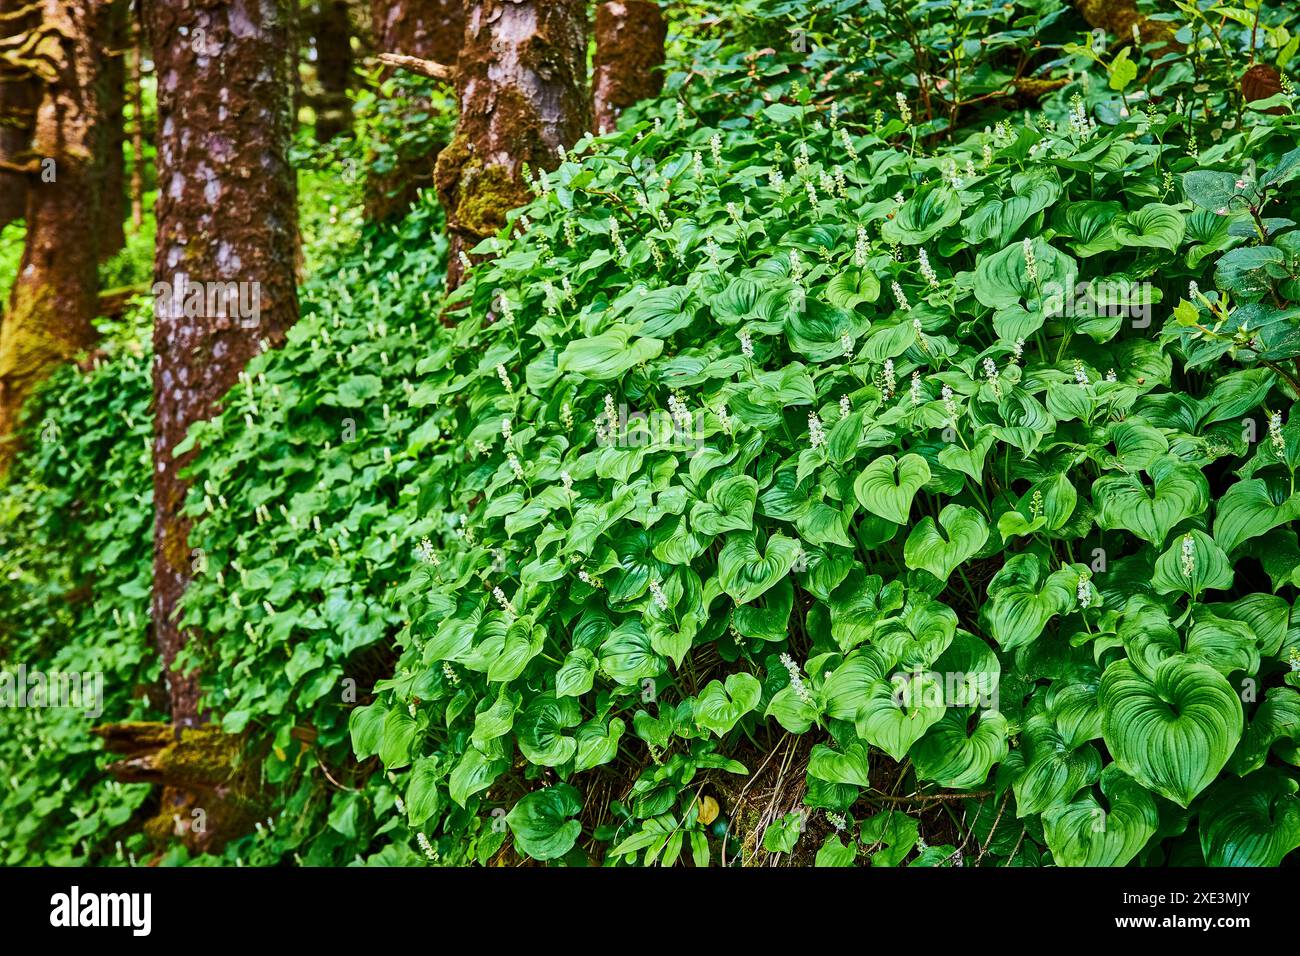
630	38
112	235
429	30
226	214
53	300
522	87
333	69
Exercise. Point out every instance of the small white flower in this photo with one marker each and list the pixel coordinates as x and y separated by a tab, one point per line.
1031	266
1084	591
566	479
500	595
724	419
615	239
517	468
1189	555
846	343
950	405
991	371
1193	290
796	266
916	389
846	407
660	599
746	344
861	248
888	375
566	417
899	296
816	434
904	111
1275	434
506	430
927	272
1080	374
426	847
505	378
796	680
847	142
715	147
424	551
1017	351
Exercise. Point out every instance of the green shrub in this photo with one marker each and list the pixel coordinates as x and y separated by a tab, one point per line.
896	461
76	522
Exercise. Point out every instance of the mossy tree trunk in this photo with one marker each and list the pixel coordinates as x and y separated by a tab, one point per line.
333	68
521	83
429	30
630	38
54	298
226	214
18	97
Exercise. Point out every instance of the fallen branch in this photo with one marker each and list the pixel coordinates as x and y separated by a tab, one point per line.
416	65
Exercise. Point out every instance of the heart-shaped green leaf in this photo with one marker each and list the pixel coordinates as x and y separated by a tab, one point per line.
887	486
1254	821
964	533
745	572
1083	833
728	506
719	706
954	754
1125	503
541	822
1021	602
1173	733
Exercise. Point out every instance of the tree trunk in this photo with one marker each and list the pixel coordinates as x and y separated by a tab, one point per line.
113	209
18	97
333	69
226	215
137	129
54	297
430	30
522	86
629	58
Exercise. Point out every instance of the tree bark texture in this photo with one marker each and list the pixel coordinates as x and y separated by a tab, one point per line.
428	30
18	98
630	38
522	87
333	69
54	297
114	202
226	214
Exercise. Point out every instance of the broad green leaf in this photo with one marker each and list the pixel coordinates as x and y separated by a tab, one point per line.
745	571
1173	733
887	486
542	822
1084	833
1126	503
1252	821
940	552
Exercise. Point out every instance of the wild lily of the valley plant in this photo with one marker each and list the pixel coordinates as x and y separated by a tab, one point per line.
980	467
